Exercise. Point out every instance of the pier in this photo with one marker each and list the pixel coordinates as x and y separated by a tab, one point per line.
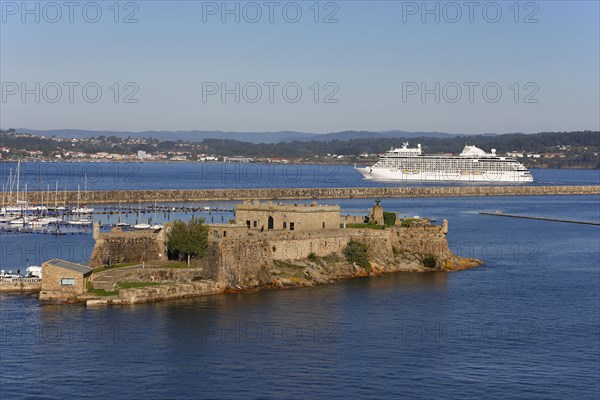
198	195
570	221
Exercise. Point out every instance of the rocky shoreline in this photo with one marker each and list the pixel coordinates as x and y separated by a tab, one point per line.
280	275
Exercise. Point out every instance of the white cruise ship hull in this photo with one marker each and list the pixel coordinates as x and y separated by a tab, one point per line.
381	174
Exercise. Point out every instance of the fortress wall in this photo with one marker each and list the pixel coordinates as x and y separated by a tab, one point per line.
423	240
297	246
127	247
247	260
300	248
243	260
166	196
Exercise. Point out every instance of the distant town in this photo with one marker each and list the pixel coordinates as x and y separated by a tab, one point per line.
542	150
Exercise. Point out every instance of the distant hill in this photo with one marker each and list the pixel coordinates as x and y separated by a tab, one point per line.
190	136
577	149
351	135
251	137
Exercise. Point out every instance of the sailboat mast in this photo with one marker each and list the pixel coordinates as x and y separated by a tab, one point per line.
10	185
18	178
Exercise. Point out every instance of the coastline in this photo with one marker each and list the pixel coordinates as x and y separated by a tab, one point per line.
366	161
173	291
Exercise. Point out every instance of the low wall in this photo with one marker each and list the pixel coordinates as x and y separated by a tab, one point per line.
25	285
167	292
162	196
150	274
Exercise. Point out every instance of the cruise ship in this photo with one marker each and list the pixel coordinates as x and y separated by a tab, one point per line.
472	165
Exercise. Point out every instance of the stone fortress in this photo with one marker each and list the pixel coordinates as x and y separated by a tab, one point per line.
279	245
267	234
292	217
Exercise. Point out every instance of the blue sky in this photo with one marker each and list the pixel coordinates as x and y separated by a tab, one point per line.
373	63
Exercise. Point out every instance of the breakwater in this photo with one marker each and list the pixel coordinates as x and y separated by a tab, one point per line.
569	221
194	195
20	285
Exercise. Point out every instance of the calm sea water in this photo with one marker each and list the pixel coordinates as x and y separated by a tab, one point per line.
112	176
526	325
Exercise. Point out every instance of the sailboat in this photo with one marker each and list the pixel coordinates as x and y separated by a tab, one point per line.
85	221
45	221
56	208
41	208
3	215
81	221
156	226
139	225
23	220
119	223
20	206
84	209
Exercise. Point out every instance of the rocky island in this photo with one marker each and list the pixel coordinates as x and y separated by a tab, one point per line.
268	245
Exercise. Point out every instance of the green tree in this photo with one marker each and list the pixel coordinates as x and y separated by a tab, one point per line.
389	218
188	239
356	252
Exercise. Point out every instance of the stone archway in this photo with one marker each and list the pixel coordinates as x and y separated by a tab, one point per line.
270	223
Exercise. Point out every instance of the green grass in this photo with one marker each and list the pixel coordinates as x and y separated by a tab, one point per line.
364	226
171	264
331	258
100	292
286	264
153	264
407	221
114	266
120	285
290	270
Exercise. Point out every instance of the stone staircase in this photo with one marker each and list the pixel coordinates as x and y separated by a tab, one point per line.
107	279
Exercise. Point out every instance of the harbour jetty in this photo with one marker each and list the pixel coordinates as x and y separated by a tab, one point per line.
569	221
194	195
